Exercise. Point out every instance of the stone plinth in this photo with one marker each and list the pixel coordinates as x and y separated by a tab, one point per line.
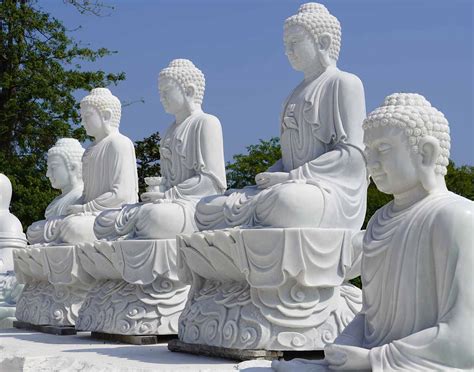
272	289
55	285
137	290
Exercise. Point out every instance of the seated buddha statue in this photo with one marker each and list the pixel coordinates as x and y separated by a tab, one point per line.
417	275
320	180
192	164
109	170
65	174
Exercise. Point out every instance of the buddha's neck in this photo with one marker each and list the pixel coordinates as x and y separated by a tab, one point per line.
408	198
186	112
75	183
316	70
105	134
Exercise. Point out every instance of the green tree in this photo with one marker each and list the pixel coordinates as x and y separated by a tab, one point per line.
242	171
40	70
148	158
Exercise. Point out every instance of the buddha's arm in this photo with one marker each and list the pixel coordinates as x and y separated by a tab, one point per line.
353	334
123	183
208	163
350	109
448	344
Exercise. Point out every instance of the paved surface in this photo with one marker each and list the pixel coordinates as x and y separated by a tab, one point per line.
31	351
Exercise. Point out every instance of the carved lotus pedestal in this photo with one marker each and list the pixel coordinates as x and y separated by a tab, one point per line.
137	292
266	289
55	285
10	289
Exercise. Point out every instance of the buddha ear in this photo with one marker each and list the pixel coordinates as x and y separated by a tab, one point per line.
107	114
190	91
428	148
324	42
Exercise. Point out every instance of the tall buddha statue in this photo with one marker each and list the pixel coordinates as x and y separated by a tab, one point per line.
417	274
65	174
109	170
320	181
192	164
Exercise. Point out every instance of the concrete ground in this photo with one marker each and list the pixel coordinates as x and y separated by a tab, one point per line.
31	351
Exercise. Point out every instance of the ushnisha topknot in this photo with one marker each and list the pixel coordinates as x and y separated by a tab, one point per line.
316	20
70	150
414	114
102	99
184	73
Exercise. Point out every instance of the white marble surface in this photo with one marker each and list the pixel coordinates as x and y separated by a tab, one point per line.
192	164
65	174
321	179
31	352
11	237
273	289
417	265
137	291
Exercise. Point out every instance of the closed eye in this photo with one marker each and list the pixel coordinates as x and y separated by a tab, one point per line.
384	147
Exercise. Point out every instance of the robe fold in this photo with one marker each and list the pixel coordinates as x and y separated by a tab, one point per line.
321	142
418	281
192	166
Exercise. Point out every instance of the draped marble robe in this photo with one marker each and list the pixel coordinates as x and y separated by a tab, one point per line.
45	231
192	165
110	179
321	142
417	279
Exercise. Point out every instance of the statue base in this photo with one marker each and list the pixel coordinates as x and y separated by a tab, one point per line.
53	330
137	291
223	352
55	285
10	291
267	289
133	340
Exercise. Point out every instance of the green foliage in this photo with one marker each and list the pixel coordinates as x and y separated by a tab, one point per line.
242	171
460	180
39	73
148	158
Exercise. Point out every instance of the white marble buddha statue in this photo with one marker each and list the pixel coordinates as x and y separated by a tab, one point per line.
11	231
320	181
417	265
65	174
192	164
109	169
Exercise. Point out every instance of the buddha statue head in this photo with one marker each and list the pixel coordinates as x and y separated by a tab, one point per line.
100	112
65	164
312	38
5	192
407	144
181	87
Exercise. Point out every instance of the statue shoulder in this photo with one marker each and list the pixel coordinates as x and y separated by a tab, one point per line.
119	142
208	122
349	81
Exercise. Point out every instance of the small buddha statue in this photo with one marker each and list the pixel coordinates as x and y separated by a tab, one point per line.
192	164
417	275
109	170
65	174
320	181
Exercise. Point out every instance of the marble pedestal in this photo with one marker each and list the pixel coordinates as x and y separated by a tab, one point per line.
271	289
55	285
137	290
10	289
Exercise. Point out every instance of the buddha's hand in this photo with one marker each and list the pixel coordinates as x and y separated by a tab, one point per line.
74	209
265	180
152	196
347	358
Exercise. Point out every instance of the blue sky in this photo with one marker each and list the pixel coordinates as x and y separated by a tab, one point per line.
423	46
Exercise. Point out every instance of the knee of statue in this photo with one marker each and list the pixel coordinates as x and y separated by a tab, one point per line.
292	205
77	228
161	221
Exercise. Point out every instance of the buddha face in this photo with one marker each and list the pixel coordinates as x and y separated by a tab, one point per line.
171	95
92	120
390	162
58	172
300	48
